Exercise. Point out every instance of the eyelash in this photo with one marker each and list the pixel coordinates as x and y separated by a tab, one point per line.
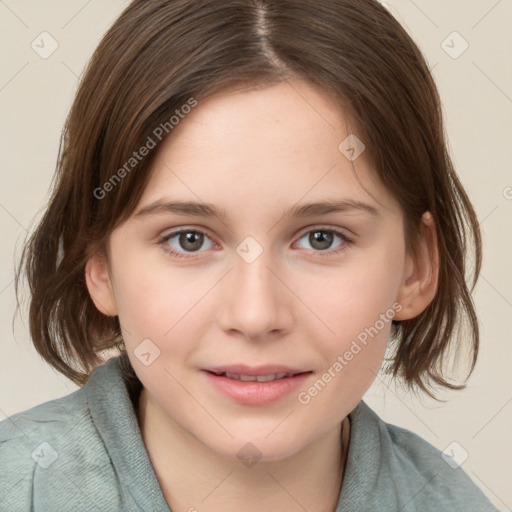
163	242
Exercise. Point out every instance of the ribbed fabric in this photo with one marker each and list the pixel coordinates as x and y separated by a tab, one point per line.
391	469
84	453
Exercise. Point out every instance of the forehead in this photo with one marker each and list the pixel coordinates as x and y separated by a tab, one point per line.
285	141
288	108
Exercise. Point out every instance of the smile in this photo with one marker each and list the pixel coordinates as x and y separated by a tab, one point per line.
259	388
253	378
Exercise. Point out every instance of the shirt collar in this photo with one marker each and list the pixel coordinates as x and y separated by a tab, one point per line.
114	416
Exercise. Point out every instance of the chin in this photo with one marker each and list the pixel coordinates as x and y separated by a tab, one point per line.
249	449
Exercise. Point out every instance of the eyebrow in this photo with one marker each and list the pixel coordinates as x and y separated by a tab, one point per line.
209	210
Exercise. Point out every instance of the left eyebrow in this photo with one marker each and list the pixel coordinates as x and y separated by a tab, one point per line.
330	206
209	210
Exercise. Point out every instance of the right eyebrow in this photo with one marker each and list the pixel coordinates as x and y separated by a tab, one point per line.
181	207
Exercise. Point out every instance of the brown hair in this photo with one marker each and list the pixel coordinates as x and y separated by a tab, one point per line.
161	53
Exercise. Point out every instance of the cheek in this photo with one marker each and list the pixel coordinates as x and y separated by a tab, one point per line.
173	310
357	306
155	303
354	298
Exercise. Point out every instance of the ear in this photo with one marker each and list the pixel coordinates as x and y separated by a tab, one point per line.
421	274
97	278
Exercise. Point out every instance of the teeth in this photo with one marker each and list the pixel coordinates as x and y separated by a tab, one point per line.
248	378
267	378
259	378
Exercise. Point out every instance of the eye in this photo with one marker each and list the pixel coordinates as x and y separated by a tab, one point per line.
185	242
321	239
179	243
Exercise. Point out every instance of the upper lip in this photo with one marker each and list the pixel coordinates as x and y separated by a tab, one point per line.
242	369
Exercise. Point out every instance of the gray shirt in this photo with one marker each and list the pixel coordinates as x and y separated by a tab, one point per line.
84	452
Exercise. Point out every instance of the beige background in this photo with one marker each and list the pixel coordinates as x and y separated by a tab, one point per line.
476	89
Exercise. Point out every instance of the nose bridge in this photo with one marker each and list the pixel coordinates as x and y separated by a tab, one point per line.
255	304
255	276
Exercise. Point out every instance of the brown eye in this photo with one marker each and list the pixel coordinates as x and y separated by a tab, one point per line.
323	239
179	243
190	240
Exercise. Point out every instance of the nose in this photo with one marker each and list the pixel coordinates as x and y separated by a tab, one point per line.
256	302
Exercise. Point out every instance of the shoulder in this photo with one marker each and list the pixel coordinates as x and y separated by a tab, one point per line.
21	434
47	416
424	475
52	446
29	438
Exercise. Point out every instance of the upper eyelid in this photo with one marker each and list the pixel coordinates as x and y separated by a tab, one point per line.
205	231
321	227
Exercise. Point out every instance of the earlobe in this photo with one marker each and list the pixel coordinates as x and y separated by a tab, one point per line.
421	274
99	285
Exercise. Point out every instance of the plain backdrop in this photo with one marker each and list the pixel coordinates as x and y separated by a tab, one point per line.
473	70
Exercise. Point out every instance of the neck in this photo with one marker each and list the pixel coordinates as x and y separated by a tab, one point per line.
193	477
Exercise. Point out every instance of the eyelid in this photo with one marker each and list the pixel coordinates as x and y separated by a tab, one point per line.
339	232
176	231
323	227
163	239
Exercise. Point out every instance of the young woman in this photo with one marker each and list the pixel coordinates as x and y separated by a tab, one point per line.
254	200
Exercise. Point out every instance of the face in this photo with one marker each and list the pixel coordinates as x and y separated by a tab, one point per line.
251	280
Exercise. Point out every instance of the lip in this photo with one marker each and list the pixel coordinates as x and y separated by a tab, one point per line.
242	369
254	392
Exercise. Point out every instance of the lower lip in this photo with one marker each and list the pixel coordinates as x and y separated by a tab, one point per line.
256	393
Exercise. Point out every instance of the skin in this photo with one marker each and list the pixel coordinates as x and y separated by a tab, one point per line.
255	154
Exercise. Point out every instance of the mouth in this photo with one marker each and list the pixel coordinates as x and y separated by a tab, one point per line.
256	378
256	385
